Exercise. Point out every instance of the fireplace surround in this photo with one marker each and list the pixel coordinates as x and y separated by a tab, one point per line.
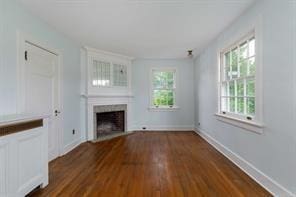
109	120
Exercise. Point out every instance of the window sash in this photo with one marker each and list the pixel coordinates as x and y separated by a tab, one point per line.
231	103
163	87
167	99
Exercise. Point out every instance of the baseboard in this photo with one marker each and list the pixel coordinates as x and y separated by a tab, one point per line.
268	183
165	128
71	146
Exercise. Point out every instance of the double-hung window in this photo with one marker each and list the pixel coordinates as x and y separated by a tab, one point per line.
238	80
163	89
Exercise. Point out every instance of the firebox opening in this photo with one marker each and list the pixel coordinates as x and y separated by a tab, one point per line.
109	123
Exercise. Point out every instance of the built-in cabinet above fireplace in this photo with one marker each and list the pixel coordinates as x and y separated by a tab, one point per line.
107	74
106	85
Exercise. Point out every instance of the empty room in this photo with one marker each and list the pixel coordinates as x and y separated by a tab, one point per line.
147	98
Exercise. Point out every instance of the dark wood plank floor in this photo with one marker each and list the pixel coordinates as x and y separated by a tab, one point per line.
148	164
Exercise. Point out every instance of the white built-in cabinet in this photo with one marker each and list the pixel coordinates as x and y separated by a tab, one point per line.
23	161
105	80
108	74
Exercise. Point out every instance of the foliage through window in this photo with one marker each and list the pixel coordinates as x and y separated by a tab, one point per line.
163	87
237	86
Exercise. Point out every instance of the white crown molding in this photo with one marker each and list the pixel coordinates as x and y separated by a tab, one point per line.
90	49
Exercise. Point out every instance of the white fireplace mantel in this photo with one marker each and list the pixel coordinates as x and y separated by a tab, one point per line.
88	96
100	100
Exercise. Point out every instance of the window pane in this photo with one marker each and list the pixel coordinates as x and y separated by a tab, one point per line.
159	97
234	63
250	87
95	73
156	97
224	89
240	88
252	66
231	88
240	105
170	98
251	106
119	75
157	80
243	67
227	73
102	73
243	54
227	59
252	47
224	104
163	79
170	79
232	105
163	97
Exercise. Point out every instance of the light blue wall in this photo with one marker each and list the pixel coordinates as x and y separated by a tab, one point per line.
273	152
13	18
184	117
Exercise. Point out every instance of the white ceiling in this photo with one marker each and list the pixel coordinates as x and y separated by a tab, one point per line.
140	28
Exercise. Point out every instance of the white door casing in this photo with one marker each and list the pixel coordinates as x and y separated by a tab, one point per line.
42	90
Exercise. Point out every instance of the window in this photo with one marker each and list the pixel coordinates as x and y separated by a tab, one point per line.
238	80
119	75
101	73
163	88
108	74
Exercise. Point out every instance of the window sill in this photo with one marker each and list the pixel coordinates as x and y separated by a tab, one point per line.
245	124
164	109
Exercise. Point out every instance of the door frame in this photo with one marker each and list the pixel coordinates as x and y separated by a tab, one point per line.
22	39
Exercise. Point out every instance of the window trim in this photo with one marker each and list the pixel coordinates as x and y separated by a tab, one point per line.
175	107
242	123
256	124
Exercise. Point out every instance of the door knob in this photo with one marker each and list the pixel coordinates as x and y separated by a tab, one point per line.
57	112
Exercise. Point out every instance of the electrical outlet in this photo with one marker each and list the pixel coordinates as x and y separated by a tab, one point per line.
73	131
199	124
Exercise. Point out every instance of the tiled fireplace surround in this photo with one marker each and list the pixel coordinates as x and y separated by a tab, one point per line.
97	104
99	110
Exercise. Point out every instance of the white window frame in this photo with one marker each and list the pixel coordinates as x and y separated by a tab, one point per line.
256	124
163	108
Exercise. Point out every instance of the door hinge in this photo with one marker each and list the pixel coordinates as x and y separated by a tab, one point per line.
26	55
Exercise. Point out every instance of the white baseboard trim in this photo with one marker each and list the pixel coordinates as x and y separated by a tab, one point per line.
268	183
165	128
71	146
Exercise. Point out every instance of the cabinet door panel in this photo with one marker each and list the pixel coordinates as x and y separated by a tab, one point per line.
3	168
29	160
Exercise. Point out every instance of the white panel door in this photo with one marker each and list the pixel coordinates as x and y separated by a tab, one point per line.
42	91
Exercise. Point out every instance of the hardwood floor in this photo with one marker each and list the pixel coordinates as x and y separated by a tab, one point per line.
148	164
